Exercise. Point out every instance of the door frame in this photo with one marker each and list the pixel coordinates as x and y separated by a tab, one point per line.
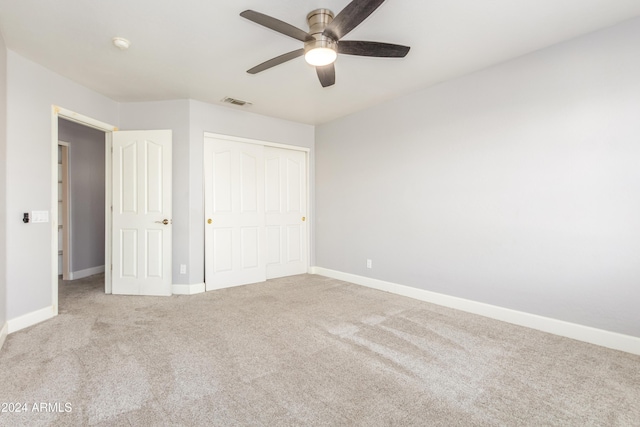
307	152
66	210
56	113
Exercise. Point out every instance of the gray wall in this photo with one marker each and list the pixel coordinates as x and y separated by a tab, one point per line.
31	92
3	182
87	192
189	120
516	186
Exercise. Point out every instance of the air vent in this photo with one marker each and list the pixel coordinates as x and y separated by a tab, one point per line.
234	101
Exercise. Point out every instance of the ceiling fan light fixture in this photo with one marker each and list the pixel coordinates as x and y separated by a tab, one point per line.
320	56
320	51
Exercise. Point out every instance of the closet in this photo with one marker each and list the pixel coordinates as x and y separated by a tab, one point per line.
256	224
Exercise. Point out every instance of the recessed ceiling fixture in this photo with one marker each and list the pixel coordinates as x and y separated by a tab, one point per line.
121	43
323	42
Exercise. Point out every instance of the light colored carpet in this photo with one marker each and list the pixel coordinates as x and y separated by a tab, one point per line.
303	350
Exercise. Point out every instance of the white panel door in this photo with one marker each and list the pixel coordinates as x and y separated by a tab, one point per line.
286	212
234	213
141	221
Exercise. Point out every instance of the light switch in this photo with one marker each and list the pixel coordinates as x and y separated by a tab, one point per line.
39	216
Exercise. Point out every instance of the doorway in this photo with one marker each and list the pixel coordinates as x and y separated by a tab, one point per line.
88	122
81	200
142	165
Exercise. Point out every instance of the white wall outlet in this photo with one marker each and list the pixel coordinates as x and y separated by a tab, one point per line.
369	264
183	268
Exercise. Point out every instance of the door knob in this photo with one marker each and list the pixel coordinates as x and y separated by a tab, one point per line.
209	221
304	218
164	221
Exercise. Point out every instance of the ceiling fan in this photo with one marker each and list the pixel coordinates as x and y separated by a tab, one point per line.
323	42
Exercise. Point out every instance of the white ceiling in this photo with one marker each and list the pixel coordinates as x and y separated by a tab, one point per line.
201	49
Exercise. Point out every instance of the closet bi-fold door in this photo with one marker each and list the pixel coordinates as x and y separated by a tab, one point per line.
234	213
286	212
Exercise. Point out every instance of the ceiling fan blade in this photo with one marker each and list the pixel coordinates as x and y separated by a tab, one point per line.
276	25
276	61
350	17
327	75
364	48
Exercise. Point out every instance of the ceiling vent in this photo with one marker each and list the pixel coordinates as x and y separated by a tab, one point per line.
234	101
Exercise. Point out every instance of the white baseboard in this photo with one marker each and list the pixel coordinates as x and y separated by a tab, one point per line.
81	274
3	333
30	319
196	288
575	331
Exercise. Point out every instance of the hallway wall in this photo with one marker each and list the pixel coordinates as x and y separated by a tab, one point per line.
87	194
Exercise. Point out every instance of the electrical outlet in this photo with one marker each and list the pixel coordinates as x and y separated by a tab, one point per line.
183	268
369	264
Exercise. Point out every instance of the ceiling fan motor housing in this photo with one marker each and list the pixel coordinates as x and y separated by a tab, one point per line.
318	20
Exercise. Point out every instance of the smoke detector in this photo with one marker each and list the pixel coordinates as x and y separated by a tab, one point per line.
121	43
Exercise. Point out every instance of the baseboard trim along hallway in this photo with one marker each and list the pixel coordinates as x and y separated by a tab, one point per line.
81	274
575	331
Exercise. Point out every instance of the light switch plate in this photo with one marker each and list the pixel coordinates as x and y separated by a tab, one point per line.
39	216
